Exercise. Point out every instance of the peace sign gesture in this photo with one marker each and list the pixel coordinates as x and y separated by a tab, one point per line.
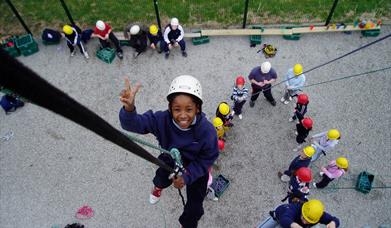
128	94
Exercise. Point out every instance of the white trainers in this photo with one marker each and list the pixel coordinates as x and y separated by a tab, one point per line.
282	99
295	150
321	174
286	102
290	98
314	184
86	55
291	119
154	197
296	133
285	178
232	113
240	116
73	53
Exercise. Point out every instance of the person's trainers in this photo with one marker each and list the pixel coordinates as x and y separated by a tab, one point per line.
314	184
155	195
240	116
286	102
73	53
321	174
252	104
290	119
232	113
273	102
86	55
184	53
166	55
290	98
279	174
120	55
282	99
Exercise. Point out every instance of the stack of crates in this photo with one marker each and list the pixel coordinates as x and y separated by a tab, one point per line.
256	39
199	40
294	36
107	55
27	45
10	49
364	182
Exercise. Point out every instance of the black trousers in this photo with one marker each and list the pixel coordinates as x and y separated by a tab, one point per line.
324	182
72	48
267	92
195	192
113	38
238	105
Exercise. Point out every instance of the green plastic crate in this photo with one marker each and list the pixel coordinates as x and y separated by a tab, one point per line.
12	51
364	182
107	55
219	185
256	39
27	45
374	32
199	40
295	36
124	42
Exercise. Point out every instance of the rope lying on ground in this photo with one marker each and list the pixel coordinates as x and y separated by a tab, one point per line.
21	80
328	62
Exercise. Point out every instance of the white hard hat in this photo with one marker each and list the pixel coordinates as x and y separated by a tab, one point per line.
134	29
265	67
100	25
174	21
186	84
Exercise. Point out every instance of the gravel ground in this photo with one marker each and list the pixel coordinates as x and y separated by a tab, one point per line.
51	166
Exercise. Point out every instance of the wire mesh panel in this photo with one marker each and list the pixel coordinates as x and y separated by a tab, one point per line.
203	13
310	11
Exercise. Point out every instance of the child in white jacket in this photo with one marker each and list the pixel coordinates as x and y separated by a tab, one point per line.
325	142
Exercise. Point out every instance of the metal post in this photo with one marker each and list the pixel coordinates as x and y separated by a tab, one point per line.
67	12
157	14
18	16
331	12
245	14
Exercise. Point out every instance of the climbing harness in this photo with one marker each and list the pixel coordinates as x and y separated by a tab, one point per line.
268	51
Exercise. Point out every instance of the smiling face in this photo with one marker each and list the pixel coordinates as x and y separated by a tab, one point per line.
183	110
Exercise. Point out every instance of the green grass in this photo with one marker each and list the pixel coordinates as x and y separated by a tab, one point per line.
39	14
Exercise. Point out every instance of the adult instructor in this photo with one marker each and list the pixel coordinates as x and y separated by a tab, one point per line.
261	79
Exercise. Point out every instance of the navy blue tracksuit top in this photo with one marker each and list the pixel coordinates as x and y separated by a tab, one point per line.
296	164
286	214
198	146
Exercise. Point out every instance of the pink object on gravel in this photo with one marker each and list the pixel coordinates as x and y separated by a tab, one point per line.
84	212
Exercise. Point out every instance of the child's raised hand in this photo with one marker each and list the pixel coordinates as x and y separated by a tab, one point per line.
128	95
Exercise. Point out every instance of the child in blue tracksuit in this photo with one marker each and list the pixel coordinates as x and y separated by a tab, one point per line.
72	35
304	215
303	160
172	37
185	127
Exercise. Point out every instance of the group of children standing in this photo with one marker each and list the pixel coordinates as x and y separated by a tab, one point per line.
299	174
137	35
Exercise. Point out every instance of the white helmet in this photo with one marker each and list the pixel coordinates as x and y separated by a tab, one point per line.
134	29
174	21
186	84
265	67
100	25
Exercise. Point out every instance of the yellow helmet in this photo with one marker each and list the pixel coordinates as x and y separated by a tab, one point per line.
217	122
342	162
333	134
309	151
224	108
67	29
153	30
312	210
298	69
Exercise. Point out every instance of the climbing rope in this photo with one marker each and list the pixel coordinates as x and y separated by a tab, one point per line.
328	62
346	77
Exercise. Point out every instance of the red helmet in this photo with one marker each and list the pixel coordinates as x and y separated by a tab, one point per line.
220	144
304	174
240	80
307	122
302	99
